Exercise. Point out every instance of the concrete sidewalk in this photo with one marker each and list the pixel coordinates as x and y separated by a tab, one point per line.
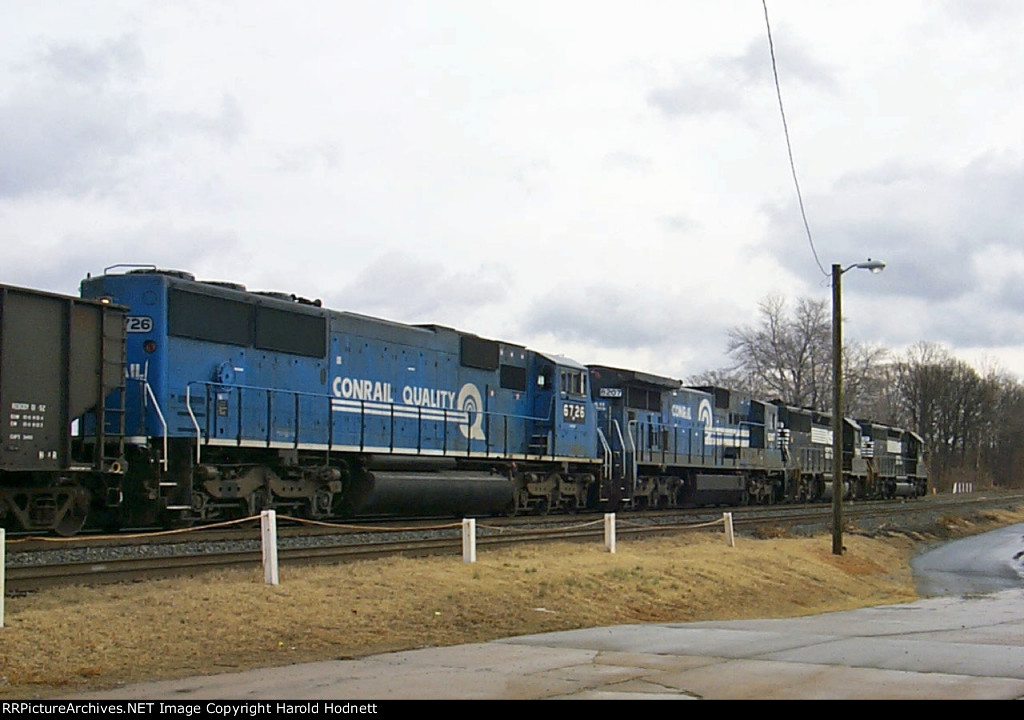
938	648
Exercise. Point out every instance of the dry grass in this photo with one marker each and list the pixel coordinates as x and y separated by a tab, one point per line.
64	640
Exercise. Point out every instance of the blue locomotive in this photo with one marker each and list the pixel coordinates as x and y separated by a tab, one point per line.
675	446
254	400
229	402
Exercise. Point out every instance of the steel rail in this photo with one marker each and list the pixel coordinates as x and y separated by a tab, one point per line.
27	578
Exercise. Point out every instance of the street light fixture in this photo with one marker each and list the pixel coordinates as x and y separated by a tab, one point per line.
875	266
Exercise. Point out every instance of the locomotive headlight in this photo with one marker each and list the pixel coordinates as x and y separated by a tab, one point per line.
149	346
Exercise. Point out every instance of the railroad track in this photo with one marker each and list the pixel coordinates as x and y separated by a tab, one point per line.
191	557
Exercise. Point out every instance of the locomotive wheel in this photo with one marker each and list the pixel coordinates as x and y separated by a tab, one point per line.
72	519
258	502
322	503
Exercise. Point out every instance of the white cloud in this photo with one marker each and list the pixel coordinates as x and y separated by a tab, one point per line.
603	181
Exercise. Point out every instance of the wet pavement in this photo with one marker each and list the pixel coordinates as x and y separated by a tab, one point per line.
980	564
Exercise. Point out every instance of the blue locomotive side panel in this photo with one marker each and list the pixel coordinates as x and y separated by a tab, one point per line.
224	366
653	417
688	413
146	347
431	391
398	391
740	422
729	429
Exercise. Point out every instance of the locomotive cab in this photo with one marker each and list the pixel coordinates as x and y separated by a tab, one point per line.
635	434
561	429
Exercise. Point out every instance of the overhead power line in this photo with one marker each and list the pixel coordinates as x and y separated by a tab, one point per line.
789	145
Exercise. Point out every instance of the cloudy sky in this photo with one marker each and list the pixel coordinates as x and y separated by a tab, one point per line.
605	180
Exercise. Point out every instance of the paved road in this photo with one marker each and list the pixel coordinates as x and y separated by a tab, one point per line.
940	648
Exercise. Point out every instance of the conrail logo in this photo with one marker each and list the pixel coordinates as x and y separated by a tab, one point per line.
682	412
469	401
704	413
360	395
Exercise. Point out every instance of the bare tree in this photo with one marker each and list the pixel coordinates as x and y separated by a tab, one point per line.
960	414
1006	451
868	383
971	422
724	378
785	357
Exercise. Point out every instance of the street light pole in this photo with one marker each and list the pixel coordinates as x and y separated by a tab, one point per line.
874	266
837	410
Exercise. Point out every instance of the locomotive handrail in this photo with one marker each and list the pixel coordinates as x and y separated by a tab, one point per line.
551	419
147	266
661	428
749	424
634	464
606	462
303	393
163	422
195	423
512	415
366	409
622	443
713	453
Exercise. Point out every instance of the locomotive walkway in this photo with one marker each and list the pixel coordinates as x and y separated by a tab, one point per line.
968	647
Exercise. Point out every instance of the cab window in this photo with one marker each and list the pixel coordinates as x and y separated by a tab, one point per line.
574	382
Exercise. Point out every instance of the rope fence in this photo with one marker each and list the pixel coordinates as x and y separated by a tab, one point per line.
268	536
268	524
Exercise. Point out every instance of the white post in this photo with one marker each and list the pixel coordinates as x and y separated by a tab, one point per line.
609	532
730	537
268	532
468	540
3	563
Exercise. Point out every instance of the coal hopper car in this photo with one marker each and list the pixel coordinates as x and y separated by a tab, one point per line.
61	358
